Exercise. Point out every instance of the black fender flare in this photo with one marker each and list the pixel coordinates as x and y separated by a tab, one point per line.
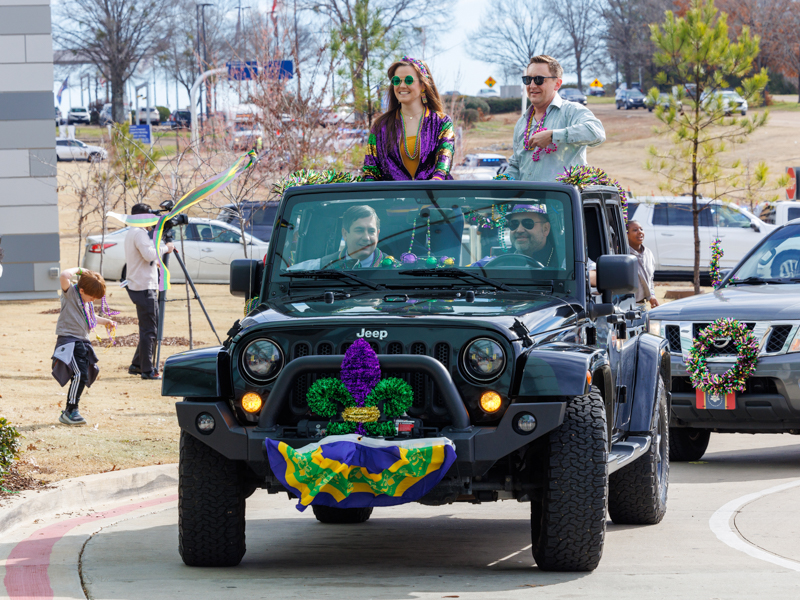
196	374
652	359
559	369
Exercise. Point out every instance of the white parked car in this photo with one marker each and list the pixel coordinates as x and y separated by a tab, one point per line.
479	166
209	248
78	114
76	150
667	222
488	93
155	116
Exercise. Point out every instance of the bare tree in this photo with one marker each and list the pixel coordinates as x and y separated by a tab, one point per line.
627	33
113	34
511	32
579	22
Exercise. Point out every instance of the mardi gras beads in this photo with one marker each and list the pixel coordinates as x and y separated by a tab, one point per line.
528	142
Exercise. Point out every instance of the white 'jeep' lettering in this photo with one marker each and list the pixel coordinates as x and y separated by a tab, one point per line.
378	333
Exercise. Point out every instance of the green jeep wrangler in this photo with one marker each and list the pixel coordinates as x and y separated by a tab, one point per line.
481	296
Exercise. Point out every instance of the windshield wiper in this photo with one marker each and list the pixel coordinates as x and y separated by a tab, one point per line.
756	281
334	274
460	274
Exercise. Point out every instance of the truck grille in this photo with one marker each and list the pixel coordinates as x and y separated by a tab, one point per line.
673	335
428	401
720	349
778	337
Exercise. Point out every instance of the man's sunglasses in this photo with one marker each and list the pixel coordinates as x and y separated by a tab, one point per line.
409	80
526	223
537	79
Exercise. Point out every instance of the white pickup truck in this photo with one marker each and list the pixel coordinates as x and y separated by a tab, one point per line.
779	213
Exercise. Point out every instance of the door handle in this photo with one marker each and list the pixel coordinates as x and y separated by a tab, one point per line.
206	250
667	234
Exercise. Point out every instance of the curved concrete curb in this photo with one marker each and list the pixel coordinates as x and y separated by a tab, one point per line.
83	493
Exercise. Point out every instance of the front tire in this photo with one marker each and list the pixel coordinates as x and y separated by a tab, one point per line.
687	444
211	506
568	525
638	492
341	516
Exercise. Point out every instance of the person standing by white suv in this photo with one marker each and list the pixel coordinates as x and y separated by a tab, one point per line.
646	264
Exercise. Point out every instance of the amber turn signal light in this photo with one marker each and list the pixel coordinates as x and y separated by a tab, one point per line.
252	402
491	402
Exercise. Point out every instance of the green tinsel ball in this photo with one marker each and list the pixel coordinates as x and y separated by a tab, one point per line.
388	262
327	395
431	261
394	394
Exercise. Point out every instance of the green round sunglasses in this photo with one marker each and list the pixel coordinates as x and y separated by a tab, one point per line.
409	80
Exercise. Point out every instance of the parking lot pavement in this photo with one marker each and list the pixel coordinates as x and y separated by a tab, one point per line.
465	551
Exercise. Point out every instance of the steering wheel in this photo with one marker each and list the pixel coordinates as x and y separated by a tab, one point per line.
515	260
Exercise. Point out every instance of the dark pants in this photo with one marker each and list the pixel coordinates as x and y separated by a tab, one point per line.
146	302
80	369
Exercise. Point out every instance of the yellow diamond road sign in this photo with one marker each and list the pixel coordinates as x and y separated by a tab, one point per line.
596	83
490	82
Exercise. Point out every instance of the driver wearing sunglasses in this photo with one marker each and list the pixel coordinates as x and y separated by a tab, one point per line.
567	128
529	230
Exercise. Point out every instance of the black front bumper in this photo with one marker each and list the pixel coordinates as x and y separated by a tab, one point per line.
477	448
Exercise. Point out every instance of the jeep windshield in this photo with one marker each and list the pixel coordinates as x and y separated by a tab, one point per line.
502	237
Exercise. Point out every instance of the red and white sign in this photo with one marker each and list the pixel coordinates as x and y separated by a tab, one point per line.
791	191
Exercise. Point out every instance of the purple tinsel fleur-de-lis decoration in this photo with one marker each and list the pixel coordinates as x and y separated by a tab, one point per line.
361	370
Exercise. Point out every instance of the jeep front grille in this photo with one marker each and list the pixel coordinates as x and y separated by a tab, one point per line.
427	398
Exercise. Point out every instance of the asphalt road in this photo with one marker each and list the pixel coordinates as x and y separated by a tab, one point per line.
723	537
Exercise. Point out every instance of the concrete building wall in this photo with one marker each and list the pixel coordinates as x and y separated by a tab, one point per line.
28	196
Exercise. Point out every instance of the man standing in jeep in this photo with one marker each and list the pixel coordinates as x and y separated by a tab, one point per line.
361	229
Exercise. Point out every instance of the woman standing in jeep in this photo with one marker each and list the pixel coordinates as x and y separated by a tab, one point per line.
413	139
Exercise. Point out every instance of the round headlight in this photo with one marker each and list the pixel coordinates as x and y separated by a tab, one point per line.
262	360
484	359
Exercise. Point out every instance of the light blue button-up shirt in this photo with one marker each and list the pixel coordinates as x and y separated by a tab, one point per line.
574	128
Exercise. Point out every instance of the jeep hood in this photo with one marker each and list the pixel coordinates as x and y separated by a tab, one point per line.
538	314
766	302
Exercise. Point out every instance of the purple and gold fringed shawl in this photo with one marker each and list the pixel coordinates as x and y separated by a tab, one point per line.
384	163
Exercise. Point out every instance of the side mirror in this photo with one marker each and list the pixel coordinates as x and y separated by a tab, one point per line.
754	226
616	274
246	277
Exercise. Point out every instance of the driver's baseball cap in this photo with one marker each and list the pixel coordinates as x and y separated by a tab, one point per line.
529	208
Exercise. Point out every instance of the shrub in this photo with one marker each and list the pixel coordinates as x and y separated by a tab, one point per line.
471	116
9	445
471	102
163	113
504	105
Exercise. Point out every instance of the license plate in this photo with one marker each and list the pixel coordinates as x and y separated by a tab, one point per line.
711	401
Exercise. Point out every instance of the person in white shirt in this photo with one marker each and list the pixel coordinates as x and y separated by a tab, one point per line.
647	264
142	274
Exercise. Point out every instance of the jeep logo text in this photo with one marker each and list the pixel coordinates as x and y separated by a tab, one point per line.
379	334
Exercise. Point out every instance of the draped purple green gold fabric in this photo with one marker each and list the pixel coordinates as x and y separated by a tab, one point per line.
384	163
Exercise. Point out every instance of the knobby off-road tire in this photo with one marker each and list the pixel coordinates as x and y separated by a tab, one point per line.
687	444
211	503
638	492
328	514
568	525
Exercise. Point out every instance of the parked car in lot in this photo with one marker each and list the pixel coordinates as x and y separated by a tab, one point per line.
763	292
58	115
629	99
347	138
155	116
76	150
623	87
259	217
573	95
665	101
209	248
180	119
729	100
667	222
488	93
78	115
597	90
480	166
779	213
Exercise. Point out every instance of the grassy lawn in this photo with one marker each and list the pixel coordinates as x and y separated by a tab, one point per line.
787	106
600	99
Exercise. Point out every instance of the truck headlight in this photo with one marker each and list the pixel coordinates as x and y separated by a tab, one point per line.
484	359
262	360
795	345
655	327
